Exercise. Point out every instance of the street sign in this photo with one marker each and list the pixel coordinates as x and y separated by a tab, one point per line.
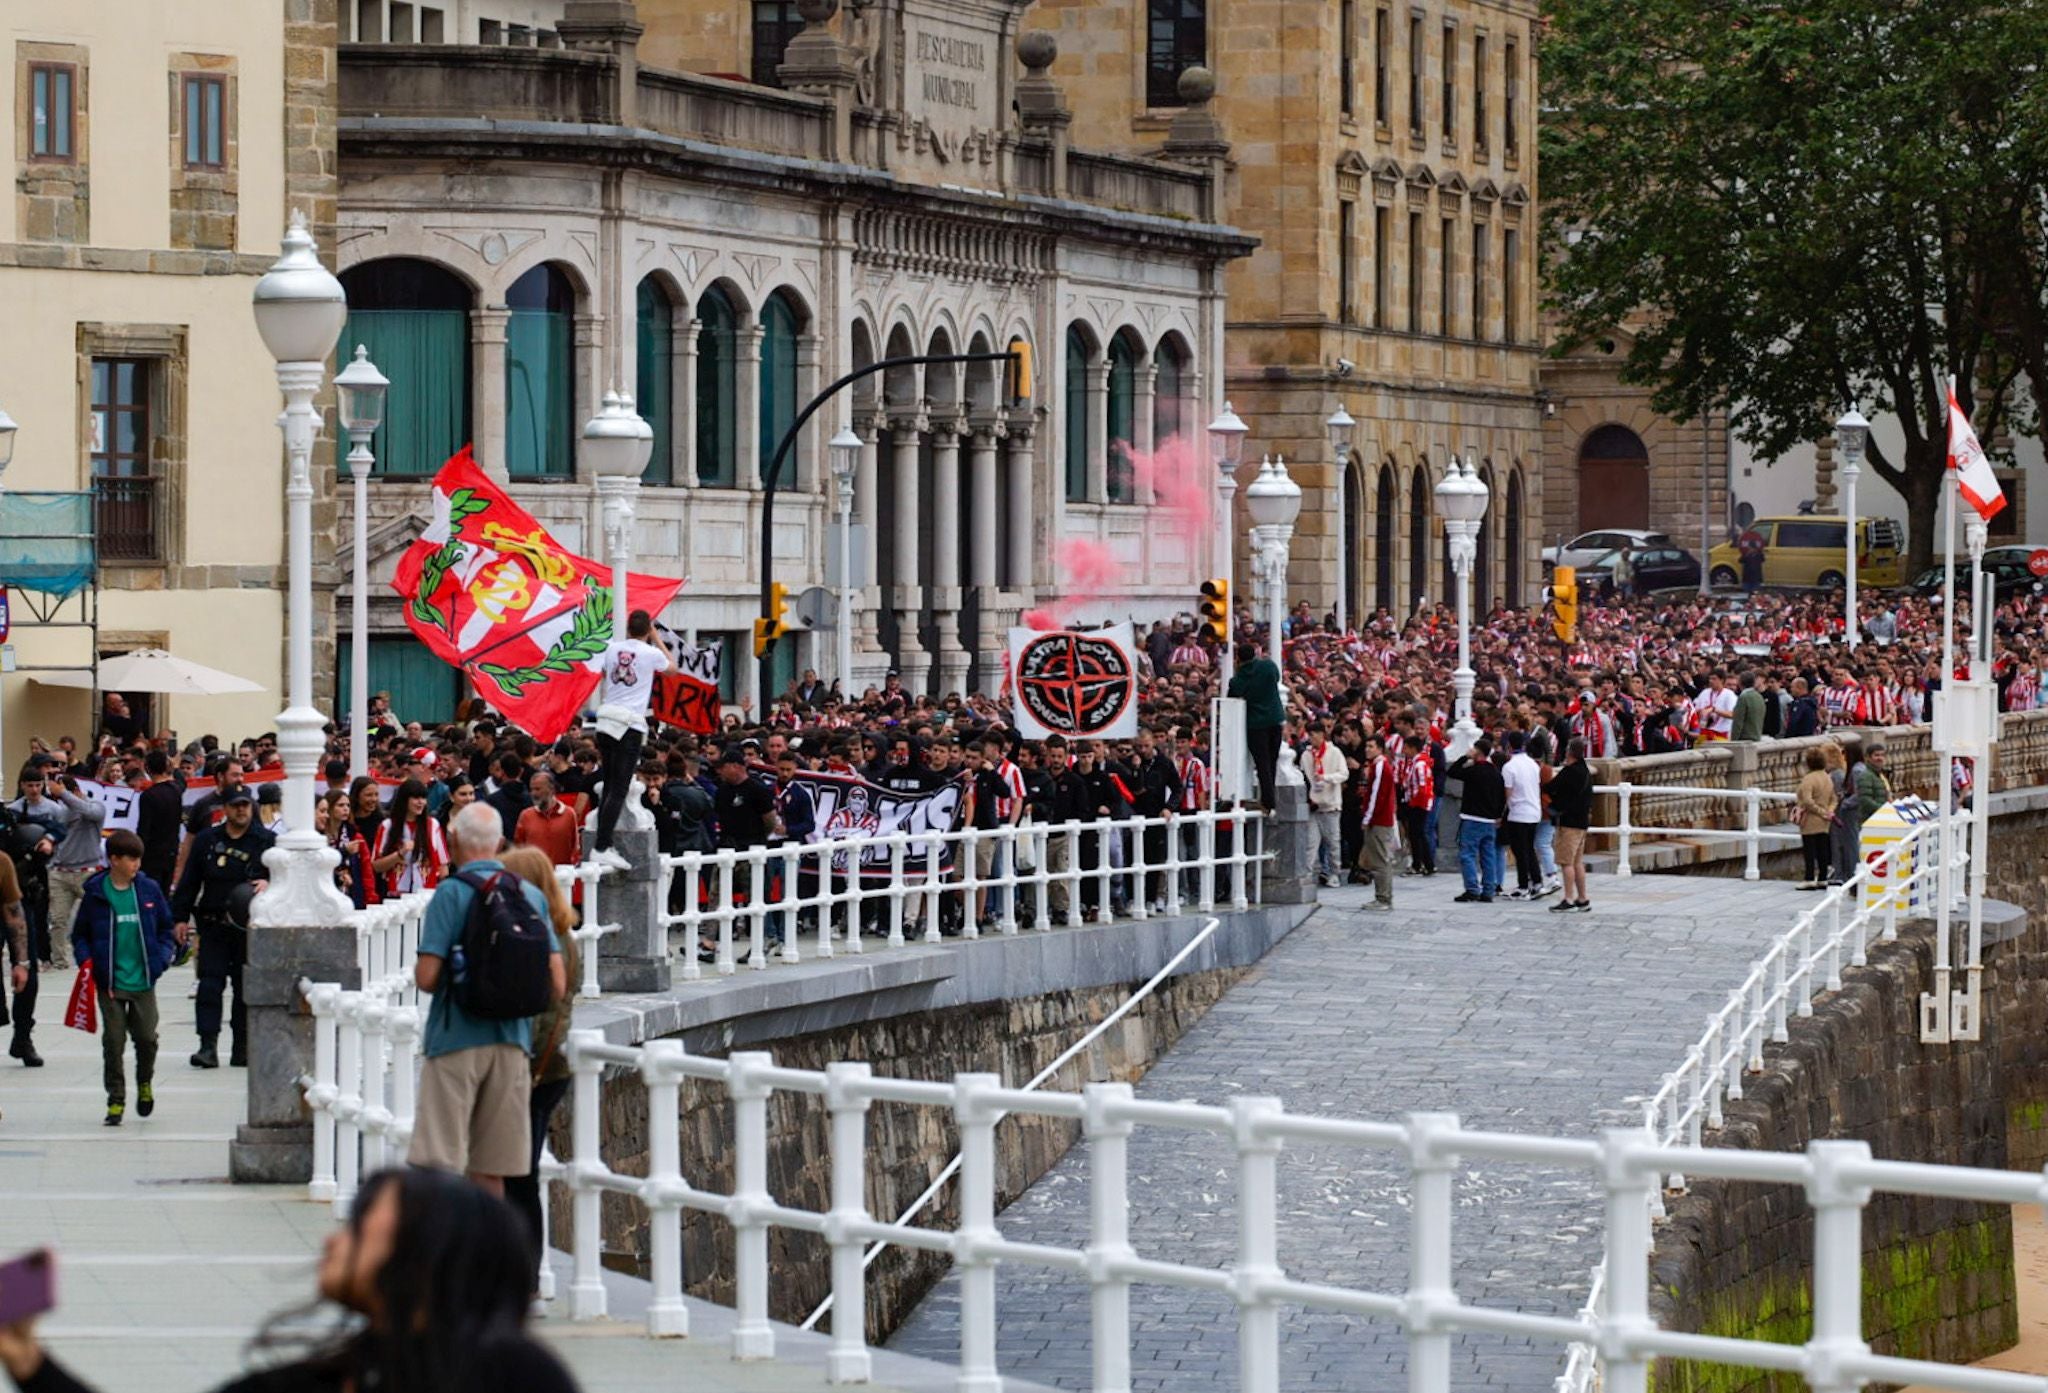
6	614
2038	561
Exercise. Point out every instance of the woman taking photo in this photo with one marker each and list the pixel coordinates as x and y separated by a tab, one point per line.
410	852
434	1281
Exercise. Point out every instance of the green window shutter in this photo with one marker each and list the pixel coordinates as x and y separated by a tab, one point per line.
654	373
778	382
423	688
538	396
1077	418
425	353
1123	411
717	351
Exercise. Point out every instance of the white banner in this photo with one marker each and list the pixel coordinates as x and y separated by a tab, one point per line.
1082	684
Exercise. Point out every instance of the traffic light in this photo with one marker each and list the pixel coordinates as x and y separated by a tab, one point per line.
774	624
1564	598
1214	609
1020	372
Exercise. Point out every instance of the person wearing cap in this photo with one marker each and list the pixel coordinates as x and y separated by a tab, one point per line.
222	859
270	809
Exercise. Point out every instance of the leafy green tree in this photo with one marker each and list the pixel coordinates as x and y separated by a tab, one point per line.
1802	206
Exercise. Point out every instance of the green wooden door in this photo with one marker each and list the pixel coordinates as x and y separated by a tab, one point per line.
423	688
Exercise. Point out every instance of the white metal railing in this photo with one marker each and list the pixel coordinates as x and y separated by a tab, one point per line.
891	883
366	1039
1802	963
1753	834
1837	1177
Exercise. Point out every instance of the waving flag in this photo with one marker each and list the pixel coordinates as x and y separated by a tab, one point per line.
489	590
1974	479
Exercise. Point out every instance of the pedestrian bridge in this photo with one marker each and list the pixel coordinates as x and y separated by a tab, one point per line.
1516	1020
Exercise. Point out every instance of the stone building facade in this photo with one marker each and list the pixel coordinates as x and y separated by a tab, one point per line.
158	151
524	227
1385	155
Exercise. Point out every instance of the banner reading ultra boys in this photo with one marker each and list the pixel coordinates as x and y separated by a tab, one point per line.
850	806
1082	684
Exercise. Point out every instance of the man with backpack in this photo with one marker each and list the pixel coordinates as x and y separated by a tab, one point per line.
490	960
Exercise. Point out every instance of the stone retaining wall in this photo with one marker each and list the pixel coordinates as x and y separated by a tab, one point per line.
1735	1259
909	1145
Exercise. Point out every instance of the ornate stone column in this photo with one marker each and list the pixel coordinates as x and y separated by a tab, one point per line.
746	404
1023	539
987	507
866	490
1098	430
945	523
1142	443
487	387
908	599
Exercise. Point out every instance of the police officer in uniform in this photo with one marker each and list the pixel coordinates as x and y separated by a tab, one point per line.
210	895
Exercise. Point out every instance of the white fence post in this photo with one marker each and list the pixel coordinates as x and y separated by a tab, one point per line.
1837	1265
348	1100
848	1361
1623	832
1258	1241
661	1069
977	1123
752	1336
1629	1187
1752	826
321	1000
1432	1162
586	1286
1109	1234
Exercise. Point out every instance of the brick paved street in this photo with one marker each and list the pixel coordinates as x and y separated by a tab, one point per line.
1510	1016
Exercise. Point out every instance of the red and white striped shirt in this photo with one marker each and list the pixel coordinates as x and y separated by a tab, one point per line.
1194	784
1418	780
1012	796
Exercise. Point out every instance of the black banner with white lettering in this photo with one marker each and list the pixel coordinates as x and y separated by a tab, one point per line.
850	806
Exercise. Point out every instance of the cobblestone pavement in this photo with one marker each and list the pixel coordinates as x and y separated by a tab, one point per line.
1510	1016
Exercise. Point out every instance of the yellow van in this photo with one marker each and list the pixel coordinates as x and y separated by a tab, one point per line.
1809	551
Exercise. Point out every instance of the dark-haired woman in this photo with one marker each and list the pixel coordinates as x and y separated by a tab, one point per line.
410	852
436	1278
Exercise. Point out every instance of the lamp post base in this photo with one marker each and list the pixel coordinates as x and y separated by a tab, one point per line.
275	1146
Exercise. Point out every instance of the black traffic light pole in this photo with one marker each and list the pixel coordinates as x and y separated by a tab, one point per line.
789	443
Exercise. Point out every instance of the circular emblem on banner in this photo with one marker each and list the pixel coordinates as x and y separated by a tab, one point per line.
1076	684
2037	561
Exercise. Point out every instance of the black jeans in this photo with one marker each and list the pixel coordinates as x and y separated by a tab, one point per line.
1265	743
621	756
1522	842
223	951
1415	827
522	1192
24	1008
1815	845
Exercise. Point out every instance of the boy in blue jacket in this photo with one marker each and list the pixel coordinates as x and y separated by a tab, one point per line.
124	928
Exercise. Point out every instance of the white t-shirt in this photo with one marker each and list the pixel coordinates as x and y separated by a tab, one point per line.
628	685
1525	788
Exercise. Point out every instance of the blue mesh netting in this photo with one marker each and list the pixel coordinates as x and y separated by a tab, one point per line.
46	541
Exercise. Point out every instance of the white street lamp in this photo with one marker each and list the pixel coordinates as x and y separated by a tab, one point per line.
616	447
1851	433
1226	449
1461	498
7	429
844	451
300	309
360	390
1274	501
1339	428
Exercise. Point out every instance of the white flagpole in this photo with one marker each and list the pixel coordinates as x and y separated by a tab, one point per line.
1945	882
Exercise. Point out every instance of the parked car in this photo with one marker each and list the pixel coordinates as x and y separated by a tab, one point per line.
2007	566
1656	568
1812	551
1585	548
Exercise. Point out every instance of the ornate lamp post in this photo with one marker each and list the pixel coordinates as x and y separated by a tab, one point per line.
1226	448
1461	498
360	388
1339	428
616	446
1274	501
1851	433
7	429
299	312
844	450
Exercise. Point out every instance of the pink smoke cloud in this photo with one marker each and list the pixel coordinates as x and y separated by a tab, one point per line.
1183	485
1087	570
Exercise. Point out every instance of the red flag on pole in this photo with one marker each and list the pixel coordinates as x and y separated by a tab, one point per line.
1974	479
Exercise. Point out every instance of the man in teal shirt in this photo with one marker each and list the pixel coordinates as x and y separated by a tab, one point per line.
125	930
1257	681
471	1114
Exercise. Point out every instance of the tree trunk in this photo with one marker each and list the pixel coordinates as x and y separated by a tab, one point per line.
1925	462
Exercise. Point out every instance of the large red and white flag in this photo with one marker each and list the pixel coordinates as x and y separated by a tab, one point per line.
488	589
1974	479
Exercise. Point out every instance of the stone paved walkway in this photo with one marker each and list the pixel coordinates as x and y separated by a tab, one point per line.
165	1269
1513	1017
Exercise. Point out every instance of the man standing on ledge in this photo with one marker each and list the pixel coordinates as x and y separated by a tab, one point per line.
622	700
1258	681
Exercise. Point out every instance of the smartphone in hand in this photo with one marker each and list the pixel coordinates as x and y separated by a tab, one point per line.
28	1286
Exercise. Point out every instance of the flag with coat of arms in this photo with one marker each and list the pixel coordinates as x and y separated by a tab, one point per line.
488	589
1974	477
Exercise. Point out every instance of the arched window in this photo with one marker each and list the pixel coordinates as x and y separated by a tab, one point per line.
1614	479
1482	561
414	318
1385	506
1513	518
654	376
1076	432
717	367
1351	547
1168	383
1123	417
779	324
1418	537
540	396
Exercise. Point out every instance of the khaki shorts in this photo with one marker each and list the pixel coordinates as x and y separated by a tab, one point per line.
1570	848
471	1113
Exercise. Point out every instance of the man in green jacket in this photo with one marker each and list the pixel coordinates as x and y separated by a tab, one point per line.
1873	788
1257	681
1748	722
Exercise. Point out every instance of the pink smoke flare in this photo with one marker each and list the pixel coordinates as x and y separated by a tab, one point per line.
1087	571
1183	485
